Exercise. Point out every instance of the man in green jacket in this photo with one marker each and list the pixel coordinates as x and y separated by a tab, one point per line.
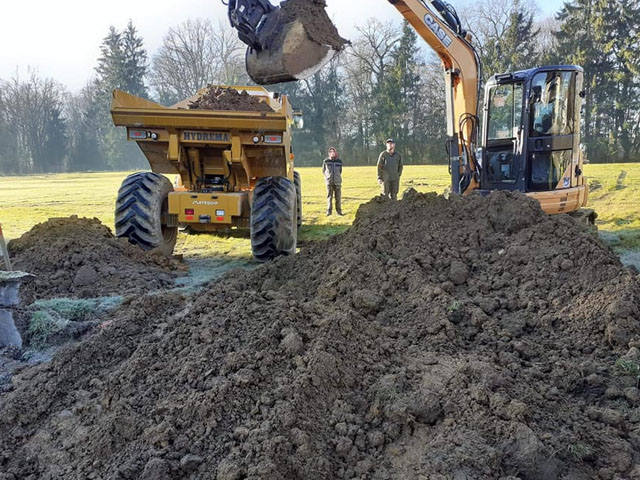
332	171
390	170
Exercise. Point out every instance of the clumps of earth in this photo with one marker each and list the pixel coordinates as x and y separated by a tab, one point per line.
317	24
80	257
470	338
228	99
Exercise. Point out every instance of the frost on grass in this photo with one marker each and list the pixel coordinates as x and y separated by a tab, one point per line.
52	317
42	326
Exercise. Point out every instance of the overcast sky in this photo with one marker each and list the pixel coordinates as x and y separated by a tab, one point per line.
61	38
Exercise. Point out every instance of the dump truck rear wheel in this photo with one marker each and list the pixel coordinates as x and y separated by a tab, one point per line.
273	218
298	183
141	212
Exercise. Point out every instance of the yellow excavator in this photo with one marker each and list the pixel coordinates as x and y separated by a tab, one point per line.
531	119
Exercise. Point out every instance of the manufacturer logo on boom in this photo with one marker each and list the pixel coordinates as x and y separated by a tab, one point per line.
437	29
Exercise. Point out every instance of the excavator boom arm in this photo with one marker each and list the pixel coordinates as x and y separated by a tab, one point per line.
256	20
445	35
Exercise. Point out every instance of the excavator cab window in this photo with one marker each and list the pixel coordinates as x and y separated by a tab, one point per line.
552	125
552	108
547	169
503	133
505	111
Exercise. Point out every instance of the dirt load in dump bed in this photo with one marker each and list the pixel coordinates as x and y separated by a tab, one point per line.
468	338
317	23
80	257
229	99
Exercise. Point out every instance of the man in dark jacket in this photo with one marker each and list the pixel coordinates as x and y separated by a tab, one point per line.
332	170
390	170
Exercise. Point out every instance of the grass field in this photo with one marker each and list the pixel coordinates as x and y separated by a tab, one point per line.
27	200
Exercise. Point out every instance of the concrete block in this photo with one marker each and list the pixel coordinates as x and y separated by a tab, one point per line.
10	287
9	335
9	297
9	294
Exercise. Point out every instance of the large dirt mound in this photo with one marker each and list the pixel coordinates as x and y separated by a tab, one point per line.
472	338
229	99
80	257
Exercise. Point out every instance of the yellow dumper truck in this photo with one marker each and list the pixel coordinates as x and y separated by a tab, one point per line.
233	169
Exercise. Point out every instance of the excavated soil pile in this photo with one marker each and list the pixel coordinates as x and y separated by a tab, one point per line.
80	257
317	23
229	99
475	338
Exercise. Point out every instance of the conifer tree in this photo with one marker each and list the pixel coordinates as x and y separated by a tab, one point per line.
134	62
123	65
603	38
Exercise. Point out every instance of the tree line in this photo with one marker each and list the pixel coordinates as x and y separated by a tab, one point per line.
386	84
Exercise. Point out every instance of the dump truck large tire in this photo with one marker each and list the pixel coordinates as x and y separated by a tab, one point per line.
141	206
298	183
273	218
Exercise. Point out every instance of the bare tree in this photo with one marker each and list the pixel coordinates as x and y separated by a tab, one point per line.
8	139
84	122
193	55
489	19
546	44
430	124
33	110
374	47
365	65
231	69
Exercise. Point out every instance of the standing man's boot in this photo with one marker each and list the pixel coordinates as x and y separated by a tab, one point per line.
386	189
395	188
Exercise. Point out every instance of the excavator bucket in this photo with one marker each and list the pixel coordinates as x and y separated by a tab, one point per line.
292	58
297	39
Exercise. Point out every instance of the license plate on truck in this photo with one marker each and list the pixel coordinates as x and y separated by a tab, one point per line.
214	208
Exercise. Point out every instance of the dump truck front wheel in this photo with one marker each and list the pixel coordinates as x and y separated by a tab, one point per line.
298	183
273	218
142	210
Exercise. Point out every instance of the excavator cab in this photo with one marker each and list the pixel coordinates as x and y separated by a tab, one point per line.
531	134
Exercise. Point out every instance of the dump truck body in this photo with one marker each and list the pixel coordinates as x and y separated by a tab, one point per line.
217	156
